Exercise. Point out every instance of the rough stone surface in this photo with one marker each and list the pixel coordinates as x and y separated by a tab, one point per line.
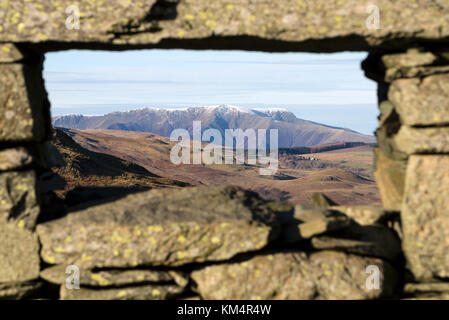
372	241
112	278
412	140
422	288
44	155
412	58
294	275
9	53
341	22
421	101
24	106
14	158
307	222
143	292
19	254
364	215
414	72
161	227
411	64
390	178
389	125
425	216
18	199
18	290
431	296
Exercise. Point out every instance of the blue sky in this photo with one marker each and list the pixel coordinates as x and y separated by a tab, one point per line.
326	88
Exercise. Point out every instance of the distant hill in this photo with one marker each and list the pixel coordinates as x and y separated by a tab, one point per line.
293	132
323	148
85	168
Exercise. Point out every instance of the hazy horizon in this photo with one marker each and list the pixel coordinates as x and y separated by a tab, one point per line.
324	88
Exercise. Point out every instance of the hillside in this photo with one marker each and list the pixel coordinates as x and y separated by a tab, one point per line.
295	181
85	168
293	132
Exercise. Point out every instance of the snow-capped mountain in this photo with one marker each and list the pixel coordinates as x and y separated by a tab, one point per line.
293	132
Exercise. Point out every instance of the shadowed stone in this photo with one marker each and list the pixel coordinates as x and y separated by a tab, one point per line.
24	107
18	200
44	155
390	179
19	254
18	290
415	72
421	101
425	216
308	222
372	241
161	227
412	64
429	296
112	278
364	215
294	275
143	292
422	288
47	156
49	181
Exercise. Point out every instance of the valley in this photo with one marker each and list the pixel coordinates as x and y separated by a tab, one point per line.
344	175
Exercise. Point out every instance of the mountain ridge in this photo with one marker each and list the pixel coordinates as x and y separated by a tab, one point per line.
293	131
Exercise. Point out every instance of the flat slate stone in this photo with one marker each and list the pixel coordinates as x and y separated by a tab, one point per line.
18	200
110	278
412	58
421	101
341	24
412	140
307	222
294	275
414	72
44	155
364	215
24	105
14	158
18	290
143	292
373	241
431	287
161	227
19	253
390	179
425	216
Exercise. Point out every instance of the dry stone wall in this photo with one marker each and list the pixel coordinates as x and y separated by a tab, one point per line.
323	250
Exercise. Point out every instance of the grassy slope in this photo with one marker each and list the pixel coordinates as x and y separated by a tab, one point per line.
88	168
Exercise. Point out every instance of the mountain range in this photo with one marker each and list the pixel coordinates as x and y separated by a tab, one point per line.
293	132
